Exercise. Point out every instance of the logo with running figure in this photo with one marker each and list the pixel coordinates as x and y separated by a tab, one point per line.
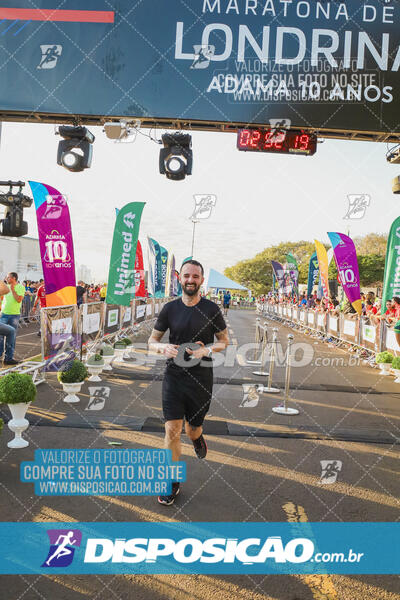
202	56
330	471
50	55
204	204
358	204
63	543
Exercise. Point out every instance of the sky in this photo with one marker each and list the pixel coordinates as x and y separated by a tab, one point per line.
262	199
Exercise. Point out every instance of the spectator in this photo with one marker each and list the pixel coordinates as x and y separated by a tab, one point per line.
303	301
10	314
6	331
389	314
311	302
370	308
349	310
80	293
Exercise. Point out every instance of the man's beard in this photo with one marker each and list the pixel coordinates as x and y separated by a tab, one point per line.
192	291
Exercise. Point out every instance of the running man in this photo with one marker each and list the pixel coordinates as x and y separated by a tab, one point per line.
227	301
62	549
193	321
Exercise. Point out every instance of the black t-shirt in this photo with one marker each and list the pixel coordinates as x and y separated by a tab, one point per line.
190	324
80	290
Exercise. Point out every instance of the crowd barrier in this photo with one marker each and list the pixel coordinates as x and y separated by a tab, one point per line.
27	316
352	329
72	328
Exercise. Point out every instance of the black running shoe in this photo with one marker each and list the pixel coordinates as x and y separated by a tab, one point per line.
168	500
200	447
10	361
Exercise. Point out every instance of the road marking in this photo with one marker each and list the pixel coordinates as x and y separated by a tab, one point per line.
321	586
26	335
49	514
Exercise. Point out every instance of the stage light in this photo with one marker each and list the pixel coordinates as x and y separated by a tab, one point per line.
176	158
79	139
13	224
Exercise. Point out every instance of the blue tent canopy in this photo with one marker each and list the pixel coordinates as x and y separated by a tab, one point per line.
219	281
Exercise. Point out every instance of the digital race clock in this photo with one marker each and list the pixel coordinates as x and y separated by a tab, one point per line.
277	141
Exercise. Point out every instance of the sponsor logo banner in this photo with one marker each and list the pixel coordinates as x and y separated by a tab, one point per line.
391	279
207	548
323	264
313	273
121	277
155	268
56	246
347	266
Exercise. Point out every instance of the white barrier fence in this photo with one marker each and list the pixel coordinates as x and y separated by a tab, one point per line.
67	329
353	329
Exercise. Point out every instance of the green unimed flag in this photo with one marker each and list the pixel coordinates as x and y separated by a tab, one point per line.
391	279
121	276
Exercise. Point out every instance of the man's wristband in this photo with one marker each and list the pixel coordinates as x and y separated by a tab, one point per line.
210	351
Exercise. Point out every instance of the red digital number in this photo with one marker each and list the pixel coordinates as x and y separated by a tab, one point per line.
279	139
302	141
274	140
244	137
268	140
255	138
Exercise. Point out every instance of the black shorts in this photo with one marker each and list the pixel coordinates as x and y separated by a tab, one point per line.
187	394
226	304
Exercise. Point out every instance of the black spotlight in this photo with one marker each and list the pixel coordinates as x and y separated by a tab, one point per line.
176	158
75	138
13	224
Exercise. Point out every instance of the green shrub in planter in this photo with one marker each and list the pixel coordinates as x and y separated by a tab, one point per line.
127	341
396	362
119	345
16	388
76	373
96	360
107	350
384	357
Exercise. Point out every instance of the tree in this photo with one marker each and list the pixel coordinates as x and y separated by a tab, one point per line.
371	267
256	273
372	243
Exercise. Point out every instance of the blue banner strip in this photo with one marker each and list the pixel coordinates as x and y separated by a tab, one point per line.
207	548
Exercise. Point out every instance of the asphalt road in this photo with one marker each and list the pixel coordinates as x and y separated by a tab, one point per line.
261	466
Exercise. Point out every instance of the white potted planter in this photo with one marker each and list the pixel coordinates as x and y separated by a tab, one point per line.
384	360
108	354
17	390
385	368
72	380
396	368
95	364
120	349
72	389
